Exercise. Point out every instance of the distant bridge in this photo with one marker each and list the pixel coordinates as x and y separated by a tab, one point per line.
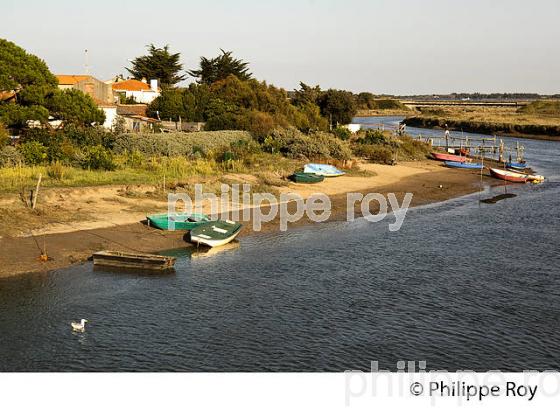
448	103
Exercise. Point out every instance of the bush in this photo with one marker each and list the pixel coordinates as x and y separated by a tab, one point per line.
375	153
374	137
86	136
97	157
33	152
342	133
293	144
178	144
4	136
10	156
411	149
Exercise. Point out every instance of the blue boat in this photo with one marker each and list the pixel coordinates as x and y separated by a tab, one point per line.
516	165
465	165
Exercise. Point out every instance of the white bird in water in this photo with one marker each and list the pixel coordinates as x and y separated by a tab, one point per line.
79	327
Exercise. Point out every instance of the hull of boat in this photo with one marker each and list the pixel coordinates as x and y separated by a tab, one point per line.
216	233
306	178
177	222
530	177
440	156
212	243
323	170
463	165
516	165
508	175
129	260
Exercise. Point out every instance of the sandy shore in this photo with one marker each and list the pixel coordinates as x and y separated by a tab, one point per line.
79	221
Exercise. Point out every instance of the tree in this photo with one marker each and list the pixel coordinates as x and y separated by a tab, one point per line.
73	106
29	78
306	94
158	64
219	68
338	106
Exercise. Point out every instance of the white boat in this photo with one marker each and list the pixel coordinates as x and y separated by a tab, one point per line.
323	169
216	233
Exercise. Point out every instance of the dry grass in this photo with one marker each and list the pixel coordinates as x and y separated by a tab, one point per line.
505	115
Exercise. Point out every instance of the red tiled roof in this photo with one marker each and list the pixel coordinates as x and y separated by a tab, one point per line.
132	109
131	85
71	79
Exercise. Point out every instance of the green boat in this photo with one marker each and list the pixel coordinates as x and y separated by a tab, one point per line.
182	222
216	233
306	178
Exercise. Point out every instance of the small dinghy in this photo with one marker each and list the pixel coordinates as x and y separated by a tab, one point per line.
516	165
216	233
323	170
177	222
536	179
465	165
509	176
129	260
306	178
441	156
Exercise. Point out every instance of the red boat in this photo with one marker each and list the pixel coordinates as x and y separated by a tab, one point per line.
448	157
508	175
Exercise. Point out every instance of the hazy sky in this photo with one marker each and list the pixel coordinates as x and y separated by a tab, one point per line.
382	46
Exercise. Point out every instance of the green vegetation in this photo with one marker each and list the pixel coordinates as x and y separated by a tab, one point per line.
219	68
191	145
36	92
234	104
158	64
384	148
251	127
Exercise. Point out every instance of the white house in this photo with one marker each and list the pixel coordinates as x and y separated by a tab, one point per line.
139	90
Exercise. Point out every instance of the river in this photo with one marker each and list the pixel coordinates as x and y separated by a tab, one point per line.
462	285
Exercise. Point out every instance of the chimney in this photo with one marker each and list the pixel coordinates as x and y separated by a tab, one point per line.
144	80
153	85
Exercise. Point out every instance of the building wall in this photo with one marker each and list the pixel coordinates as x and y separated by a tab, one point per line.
142	97
98	90
110	117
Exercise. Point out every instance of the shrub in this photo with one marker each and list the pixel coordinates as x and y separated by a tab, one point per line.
4	136
411	149
10	156
342	133
336	148
33	152
374	137
97	157
178	144
375	153
86	136
293	144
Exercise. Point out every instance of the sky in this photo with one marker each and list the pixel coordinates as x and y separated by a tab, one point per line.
398	47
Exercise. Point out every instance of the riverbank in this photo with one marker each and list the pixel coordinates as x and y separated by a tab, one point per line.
110	217
504	121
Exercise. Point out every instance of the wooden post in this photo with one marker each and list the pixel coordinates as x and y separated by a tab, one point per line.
36	194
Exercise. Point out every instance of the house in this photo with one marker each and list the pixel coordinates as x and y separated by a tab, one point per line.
100	92
140	91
